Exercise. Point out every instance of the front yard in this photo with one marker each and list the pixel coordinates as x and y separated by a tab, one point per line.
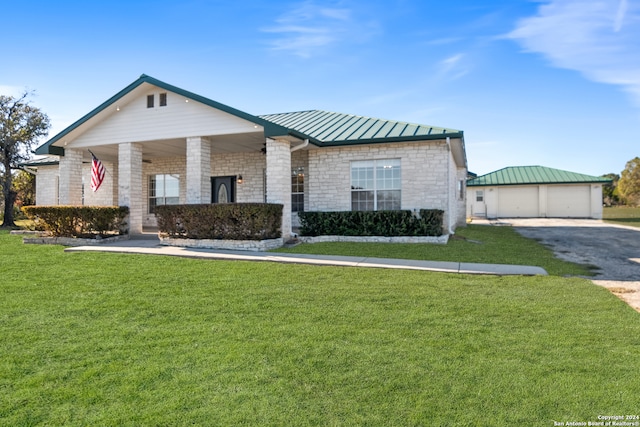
111	339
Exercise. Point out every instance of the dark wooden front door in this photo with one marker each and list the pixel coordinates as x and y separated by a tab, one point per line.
223	189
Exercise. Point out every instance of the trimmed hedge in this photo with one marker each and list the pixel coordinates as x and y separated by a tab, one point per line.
372	223
228	221
78	221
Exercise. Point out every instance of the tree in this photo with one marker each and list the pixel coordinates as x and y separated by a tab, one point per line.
629	184
24	184
610	191
21	126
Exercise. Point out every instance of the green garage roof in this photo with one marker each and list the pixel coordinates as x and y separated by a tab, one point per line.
522	175
328	128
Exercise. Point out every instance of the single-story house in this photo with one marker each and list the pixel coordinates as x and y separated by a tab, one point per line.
162	145
535	191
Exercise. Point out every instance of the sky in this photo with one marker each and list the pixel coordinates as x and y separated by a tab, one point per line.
554	83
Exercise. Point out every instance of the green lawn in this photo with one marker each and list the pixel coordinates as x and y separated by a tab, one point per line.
622	215
112	339
473	243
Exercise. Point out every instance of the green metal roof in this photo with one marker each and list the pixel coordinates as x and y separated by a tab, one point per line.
321	128
326	128
521	175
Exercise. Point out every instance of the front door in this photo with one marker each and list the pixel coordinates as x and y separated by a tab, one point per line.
223	189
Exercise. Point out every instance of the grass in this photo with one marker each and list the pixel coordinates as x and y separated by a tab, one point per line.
473	243
622	215
133	340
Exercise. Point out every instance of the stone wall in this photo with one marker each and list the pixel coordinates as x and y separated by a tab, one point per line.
424	169
47	185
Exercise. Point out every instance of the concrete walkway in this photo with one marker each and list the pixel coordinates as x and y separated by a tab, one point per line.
150	244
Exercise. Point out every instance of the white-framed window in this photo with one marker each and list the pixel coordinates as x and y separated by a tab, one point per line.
164	189
376	185
150	101
479	196
163	99
297	190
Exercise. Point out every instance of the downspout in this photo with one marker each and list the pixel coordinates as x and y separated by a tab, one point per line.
450	213
301	146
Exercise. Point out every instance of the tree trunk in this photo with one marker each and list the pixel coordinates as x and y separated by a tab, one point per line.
9	196
9	201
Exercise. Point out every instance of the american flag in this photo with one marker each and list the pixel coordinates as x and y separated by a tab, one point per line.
97	173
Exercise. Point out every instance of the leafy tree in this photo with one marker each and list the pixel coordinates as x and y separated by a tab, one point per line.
21	126
610	191
629	184
24	184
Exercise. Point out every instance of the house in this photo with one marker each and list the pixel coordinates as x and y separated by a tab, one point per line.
164	145
535	191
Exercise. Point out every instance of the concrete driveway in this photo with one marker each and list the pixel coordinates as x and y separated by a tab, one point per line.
613	249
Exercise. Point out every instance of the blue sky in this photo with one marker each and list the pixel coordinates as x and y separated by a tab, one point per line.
553	83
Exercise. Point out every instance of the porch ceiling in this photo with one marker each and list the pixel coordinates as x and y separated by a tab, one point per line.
177	147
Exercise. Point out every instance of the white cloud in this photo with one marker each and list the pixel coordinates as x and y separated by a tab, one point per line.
310	26
453	67
598	38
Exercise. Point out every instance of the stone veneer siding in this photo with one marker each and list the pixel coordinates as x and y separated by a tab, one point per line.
47	185
70	181
107	193
424	168
249	165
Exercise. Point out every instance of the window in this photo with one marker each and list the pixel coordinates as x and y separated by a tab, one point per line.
150	101
163	190
479	196
375	185
297	190
163	99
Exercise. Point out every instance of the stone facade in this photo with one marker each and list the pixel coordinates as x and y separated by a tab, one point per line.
279	179
47	185
70	178
130	183
429	177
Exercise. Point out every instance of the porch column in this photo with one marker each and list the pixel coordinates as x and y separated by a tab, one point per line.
70	183
279	180
198	170
130	183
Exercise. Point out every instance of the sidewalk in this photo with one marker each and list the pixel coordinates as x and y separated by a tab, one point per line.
149	244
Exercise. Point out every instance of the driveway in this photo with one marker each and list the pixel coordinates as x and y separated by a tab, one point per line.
613	249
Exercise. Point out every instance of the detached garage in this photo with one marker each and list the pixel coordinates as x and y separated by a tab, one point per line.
535	191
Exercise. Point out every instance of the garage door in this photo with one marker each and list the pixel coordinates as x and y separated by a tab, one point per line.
566	201
518	202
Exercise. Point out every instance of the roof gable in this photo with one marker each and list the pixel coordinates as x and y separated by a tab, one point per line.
522	175
102	111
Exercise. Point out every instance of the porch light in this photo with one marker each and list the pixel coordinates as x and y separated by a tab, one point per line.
239	179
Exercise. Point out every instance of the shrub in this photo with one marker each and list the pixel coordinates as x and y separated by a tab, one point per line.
231	221
78	221
372	223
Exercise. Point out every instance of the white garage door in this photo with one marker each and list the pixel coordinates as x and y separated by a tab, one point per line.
566	201
518	202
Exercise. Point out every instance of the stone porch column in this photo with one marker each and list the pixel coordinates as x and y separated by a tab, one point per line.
198	170
130	183
70	183
279	180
